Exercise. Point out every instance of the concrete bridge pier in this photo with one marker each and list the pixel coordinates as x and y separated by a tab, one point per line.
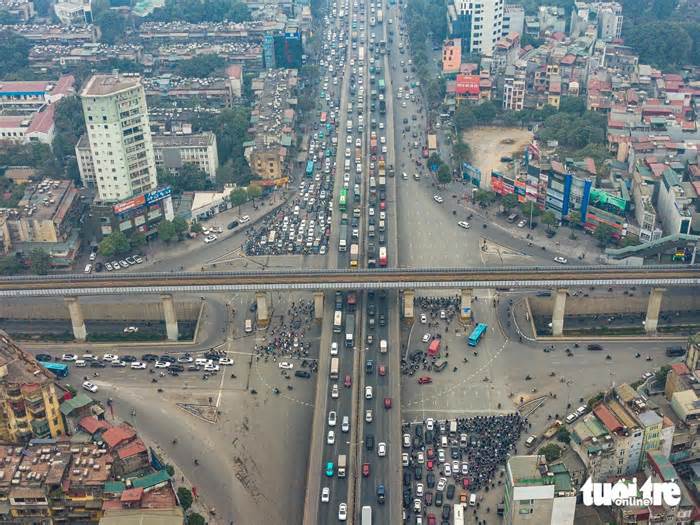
318	305
408	297
262	313
558	312
653	308
76	318
465	308
170	318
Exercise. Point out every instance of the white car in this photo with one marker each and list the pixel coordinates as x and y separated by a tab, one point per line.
429	423
423	319
225	361
330	438
69	357
368	392
286	365
110	357
419	490
438	199
335	391
131	329
325	495
138	365
381	449
522	223
334	348
561	260
90	387
342	512
332	418
89	357
441	484
464	224
368	415
210	238
162	364
420	457
244	219
426	337
448	469
185	359
211	367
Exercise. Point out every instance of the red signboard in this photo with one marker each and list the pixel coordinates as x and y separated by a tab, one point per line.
134	202
467	85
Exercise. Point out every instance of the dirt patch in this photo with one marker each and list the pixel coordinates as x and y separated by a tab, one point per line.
489	144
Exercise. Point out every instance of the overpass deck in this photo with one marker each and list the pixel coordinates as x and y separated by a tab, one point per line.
385	278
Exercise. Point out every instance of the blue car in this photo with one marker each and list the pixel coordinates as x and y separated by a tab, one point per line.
329	469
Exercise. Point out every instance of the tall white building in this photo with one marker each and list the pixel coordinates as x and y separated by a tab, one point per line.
116	119
513	19
485	18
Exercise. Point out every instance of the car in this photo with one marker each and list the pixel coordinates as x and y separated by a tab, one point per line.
345	424
285	365
387	403
97	364
162	364
109	267
90	387
369	441
381	370
438	199
232	225
329	469
334	348
442	483
342	512
226	361
368	392
110	357
425	380
185	359
69	357
210	238
304	374
368	415
522	223
416	506
406	441
430	424
129	358
330	438
138	365
464	224
131	329
426	337
332	418
43	357
325	495
381	494
348	381
428	498
448	469
149	357
381	449
561	260
423	319
365	470
334	391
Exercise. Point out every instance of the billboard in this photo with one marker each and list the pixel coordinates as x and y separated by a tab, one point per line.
158	195
129	204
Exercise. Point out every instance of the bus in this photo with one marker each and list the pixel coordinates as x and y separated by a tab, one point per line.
324	117
366	515
310	168
476	334
458	514
361	54
58	369
271	237
343	201
335	363
382	256
338	321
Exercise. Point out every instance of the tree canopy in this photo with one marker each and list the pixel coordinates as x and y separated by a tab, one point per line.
574	131
115	243
112	26
188	178
201	11
40	261
15	52
551	452
69	126
664	43
201	66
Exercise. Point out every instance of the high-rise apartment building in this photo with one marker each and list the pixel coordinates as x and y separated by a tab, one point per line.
119	134
483	19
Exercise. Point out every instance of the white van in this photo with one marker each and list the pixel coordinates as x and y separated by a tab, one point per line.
472	500
80	363
383	346
530	441
88	268
248	326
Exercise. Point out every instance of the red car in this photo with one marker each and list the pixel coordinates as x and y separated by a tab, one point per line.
465	483
365	470
382	205
348	381
430	453
431	519
424	380
387	403
429	464
382	370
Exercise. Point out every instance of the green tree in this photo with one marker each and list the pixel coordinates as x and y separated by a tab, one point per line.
188	178
485	113
509	201
201	11
185	496
254	192
112	26
195	519
574	218
9	265
603	234
180	226
170	470
444	175
197	227
167	231
485	197
563	435
231	130
15	52
660	376
115	243
574	105
549	219
40	261
551	452
464	118
201	66
527	208
434	160
461	152
137	240
664	44
238	197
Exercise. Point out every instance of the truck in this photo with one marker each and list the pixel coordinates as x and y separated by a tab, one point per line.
343	239
380	16
382	181
354	255
373	146
372	185
366	515
552	429
335	363
381	164
458	514
358	155
342	465
338	321
381	85
349	330
361	54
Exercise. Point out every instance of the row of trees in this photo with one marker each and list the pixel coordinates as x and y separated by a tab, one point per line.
201	66
202	11
39	262
664	43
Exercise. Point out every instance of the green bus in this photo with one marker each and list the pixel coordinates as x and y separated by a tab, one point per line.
343	202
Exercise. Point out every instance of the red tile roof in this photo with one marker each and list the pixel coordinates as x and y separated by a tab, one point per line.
64	86
43	121
607	418
133	448
91	424
117	435
567	60
23	86
131	495
680	368
234	71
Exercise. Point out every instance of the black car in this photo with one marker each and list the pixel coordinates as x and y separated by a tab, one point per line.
97	364
43	357
428	498
149	357
176	368
381	493
382	239
450	491
194	368
438	499
382	320
369	366
369	441
167	358
371	309
99	267
418	472
303	373
419	430
232	225
430	479
129	358
446	512
454	453
406	497
406	479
